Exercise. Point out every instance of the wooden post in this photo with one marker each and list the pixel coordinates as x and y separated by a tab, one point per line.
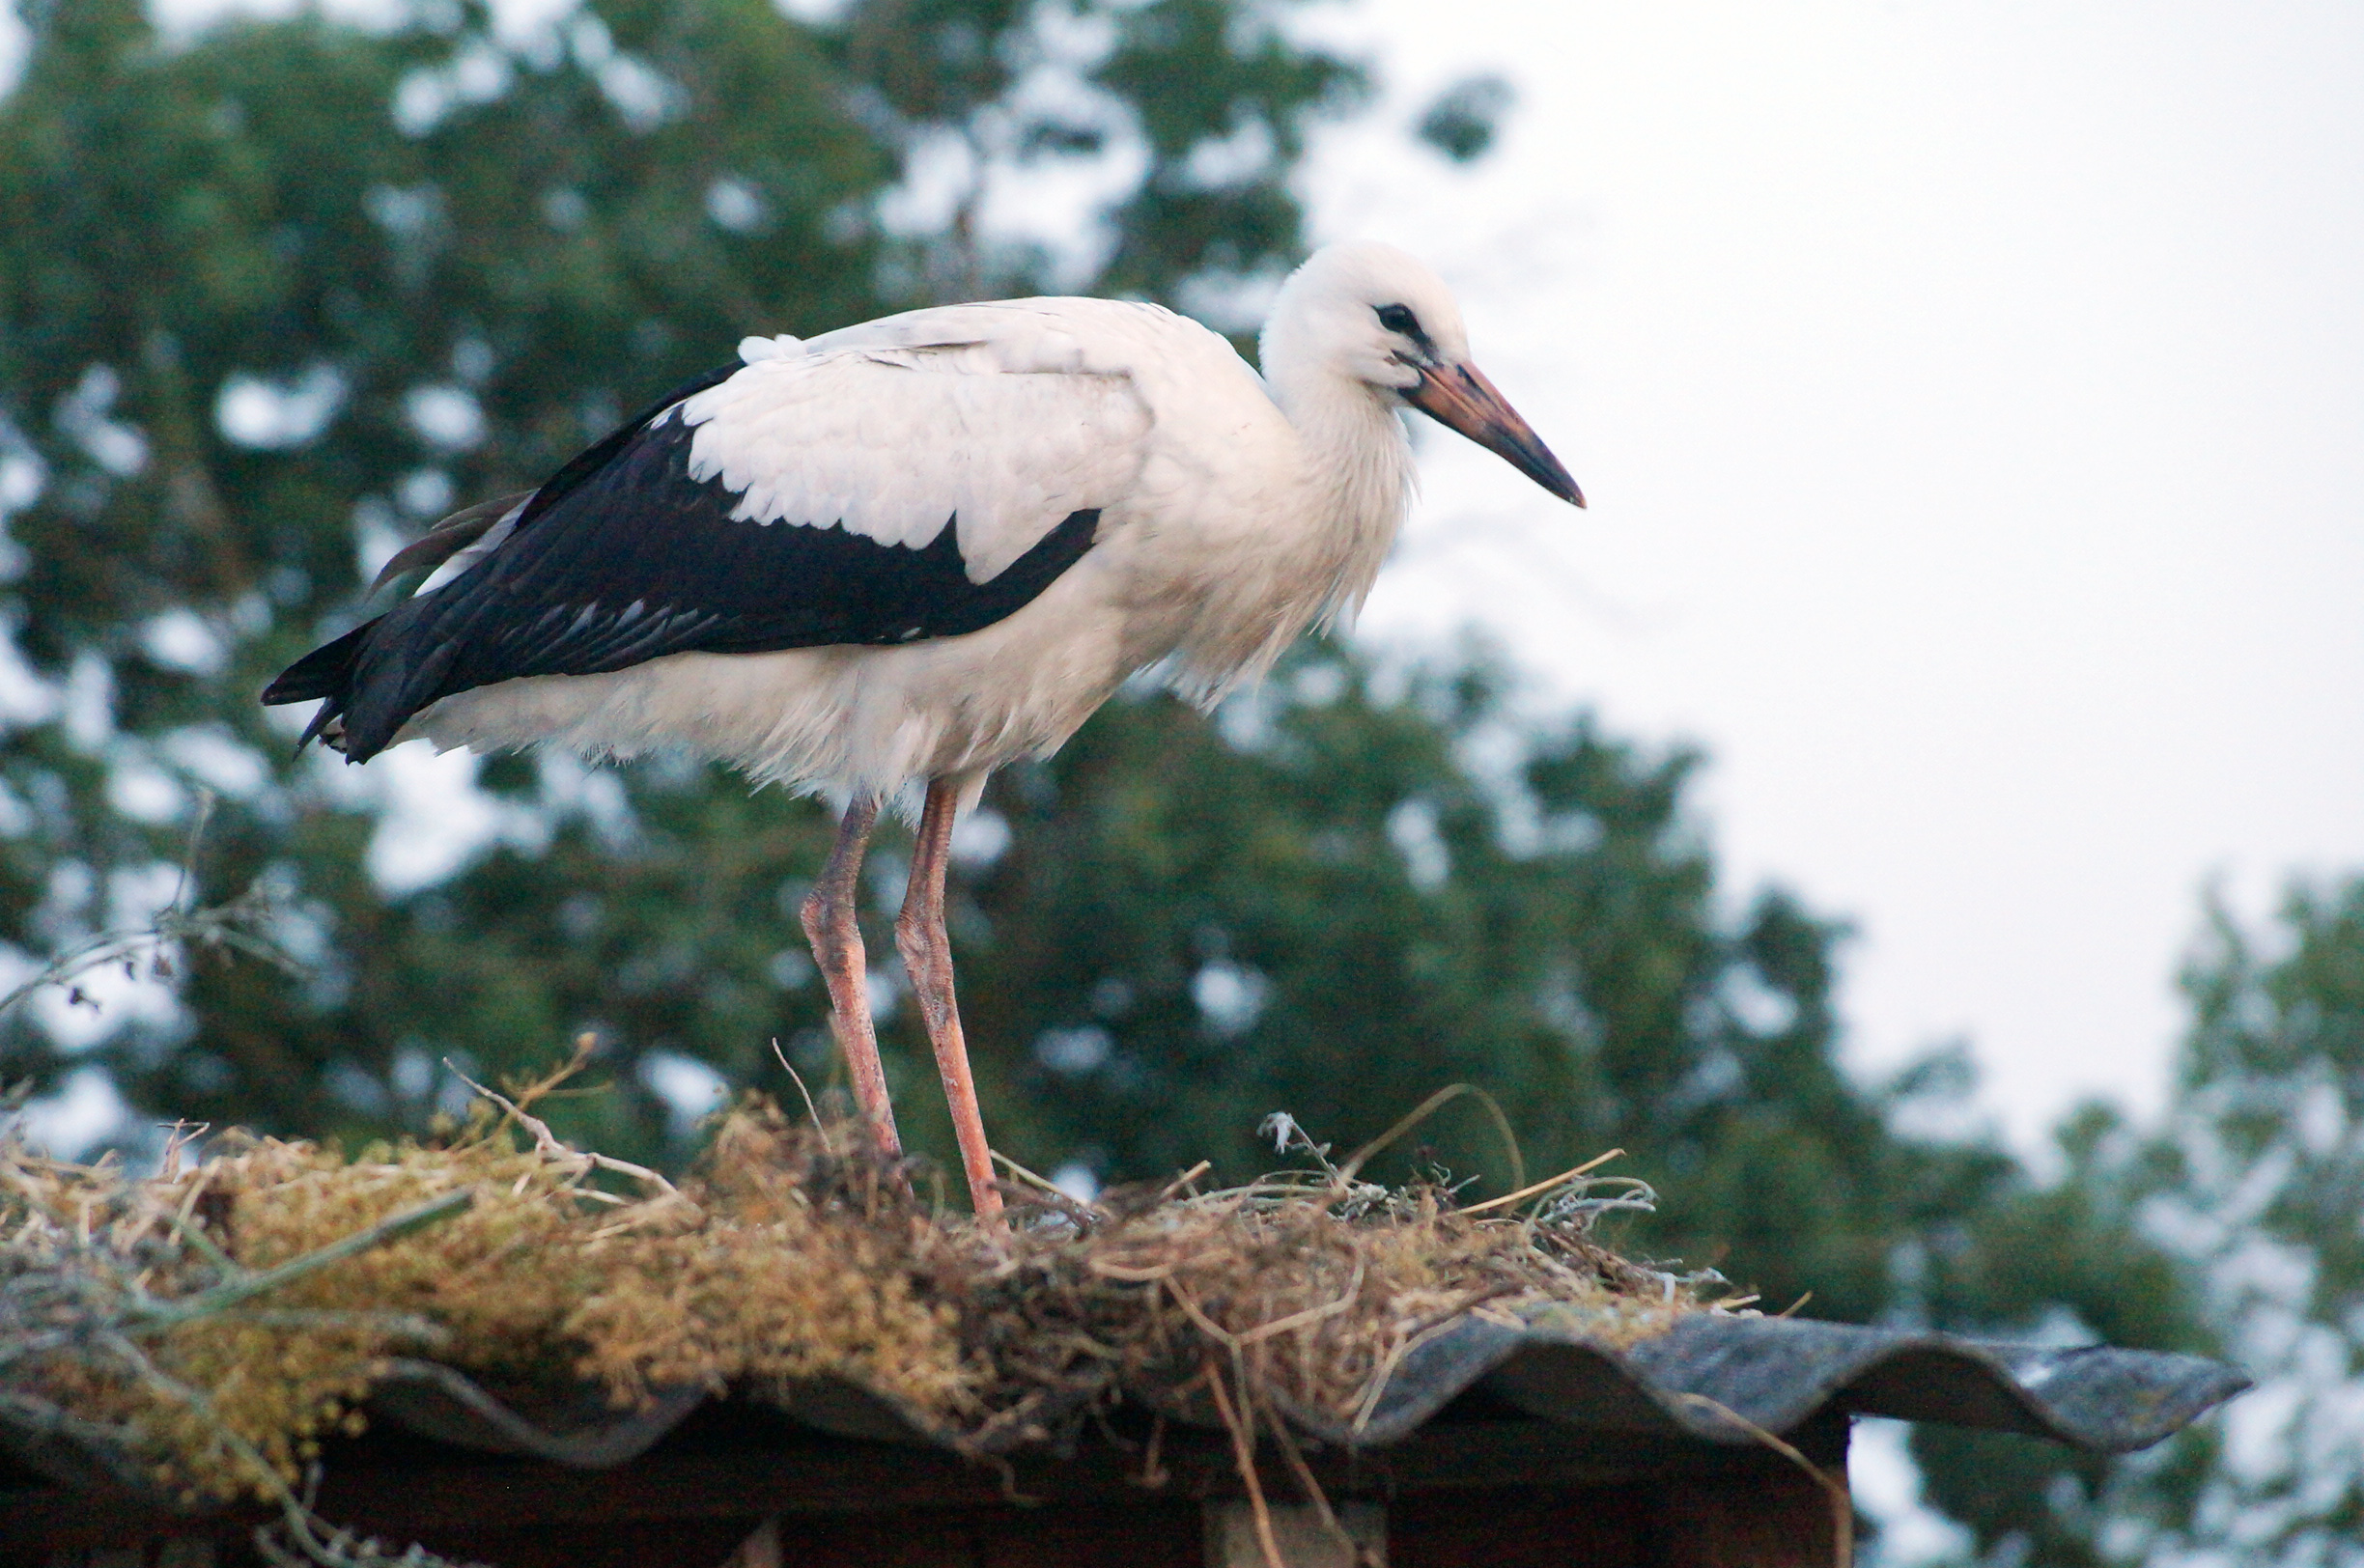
761	1549
1776	1519
1299	1533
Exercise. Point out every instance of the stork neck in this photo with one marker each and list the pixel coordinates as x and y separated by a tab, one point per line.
1354	444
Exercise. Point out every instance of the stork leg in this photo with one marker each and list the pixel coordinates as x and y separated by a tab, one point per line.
830	925
927	953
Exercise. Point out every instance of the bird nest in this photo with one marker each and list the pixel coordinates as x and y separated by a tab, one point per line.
209	1328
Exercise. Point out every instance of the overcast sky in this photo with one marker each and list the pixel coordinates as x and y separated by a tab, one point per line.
1968	395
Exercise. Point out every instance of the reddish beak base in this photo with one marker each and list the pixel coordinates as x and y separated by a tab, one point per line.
1460	397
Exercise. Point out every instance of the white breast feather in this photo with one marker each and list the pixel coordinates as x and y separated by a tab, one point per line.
887	440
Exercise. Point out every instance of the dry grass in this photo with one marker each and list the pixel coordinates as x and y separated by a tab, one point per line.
145	1317
1304	1291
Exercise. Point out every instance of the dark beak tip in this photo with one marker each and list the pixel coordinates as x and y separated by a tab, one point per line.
1466	402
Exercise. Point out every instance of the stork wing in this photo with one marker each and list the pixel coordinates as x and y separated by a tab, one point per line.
880	494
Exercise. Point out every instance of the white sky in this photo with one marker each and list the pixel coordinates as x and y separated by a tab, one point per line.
1968	397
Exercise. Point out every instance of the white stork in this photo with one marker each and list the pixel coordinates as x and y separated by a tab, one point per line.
919	548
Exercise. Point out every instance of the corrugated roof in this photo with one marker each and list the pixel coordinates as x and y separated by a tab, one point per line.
1715	1377
1773	1373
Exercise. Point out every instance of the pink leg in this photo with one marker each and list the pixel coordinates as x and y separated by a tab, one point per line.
830	926
928	953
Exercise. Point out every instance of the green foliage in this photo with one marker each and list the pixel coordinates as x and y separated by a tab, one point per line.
2259	1182
2232	1228
1462	121
438	264
2072	1261
1229	220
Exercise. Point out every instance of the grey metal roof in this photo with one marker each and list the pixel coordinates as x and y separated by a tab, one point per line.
1772	1373
1777	1373
1715	1377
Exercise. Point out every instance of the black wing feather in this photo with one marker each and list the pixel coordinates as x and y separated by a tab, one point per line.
320	673
623	557
446	539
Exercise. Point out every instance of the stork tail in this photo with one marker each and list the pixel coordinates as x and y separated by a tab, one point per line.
324	674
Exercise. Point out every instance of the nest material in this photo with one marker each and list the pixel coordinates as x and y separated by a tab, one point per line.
212	1325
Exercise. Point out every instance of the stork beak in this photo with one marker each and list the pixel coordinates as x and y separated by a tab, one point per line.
1460	397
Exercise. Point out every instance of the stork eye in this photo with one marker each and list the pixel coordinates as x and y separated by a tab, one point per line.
1399	319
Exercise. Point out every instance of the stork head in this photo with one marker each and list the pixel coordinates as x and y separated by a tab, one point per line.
1370	314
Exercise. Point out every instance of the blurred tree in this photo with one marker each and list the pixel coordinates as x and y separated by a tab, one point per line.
271	302
1462	122
2257	1186
2074	1262
2264	1189
1210	97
